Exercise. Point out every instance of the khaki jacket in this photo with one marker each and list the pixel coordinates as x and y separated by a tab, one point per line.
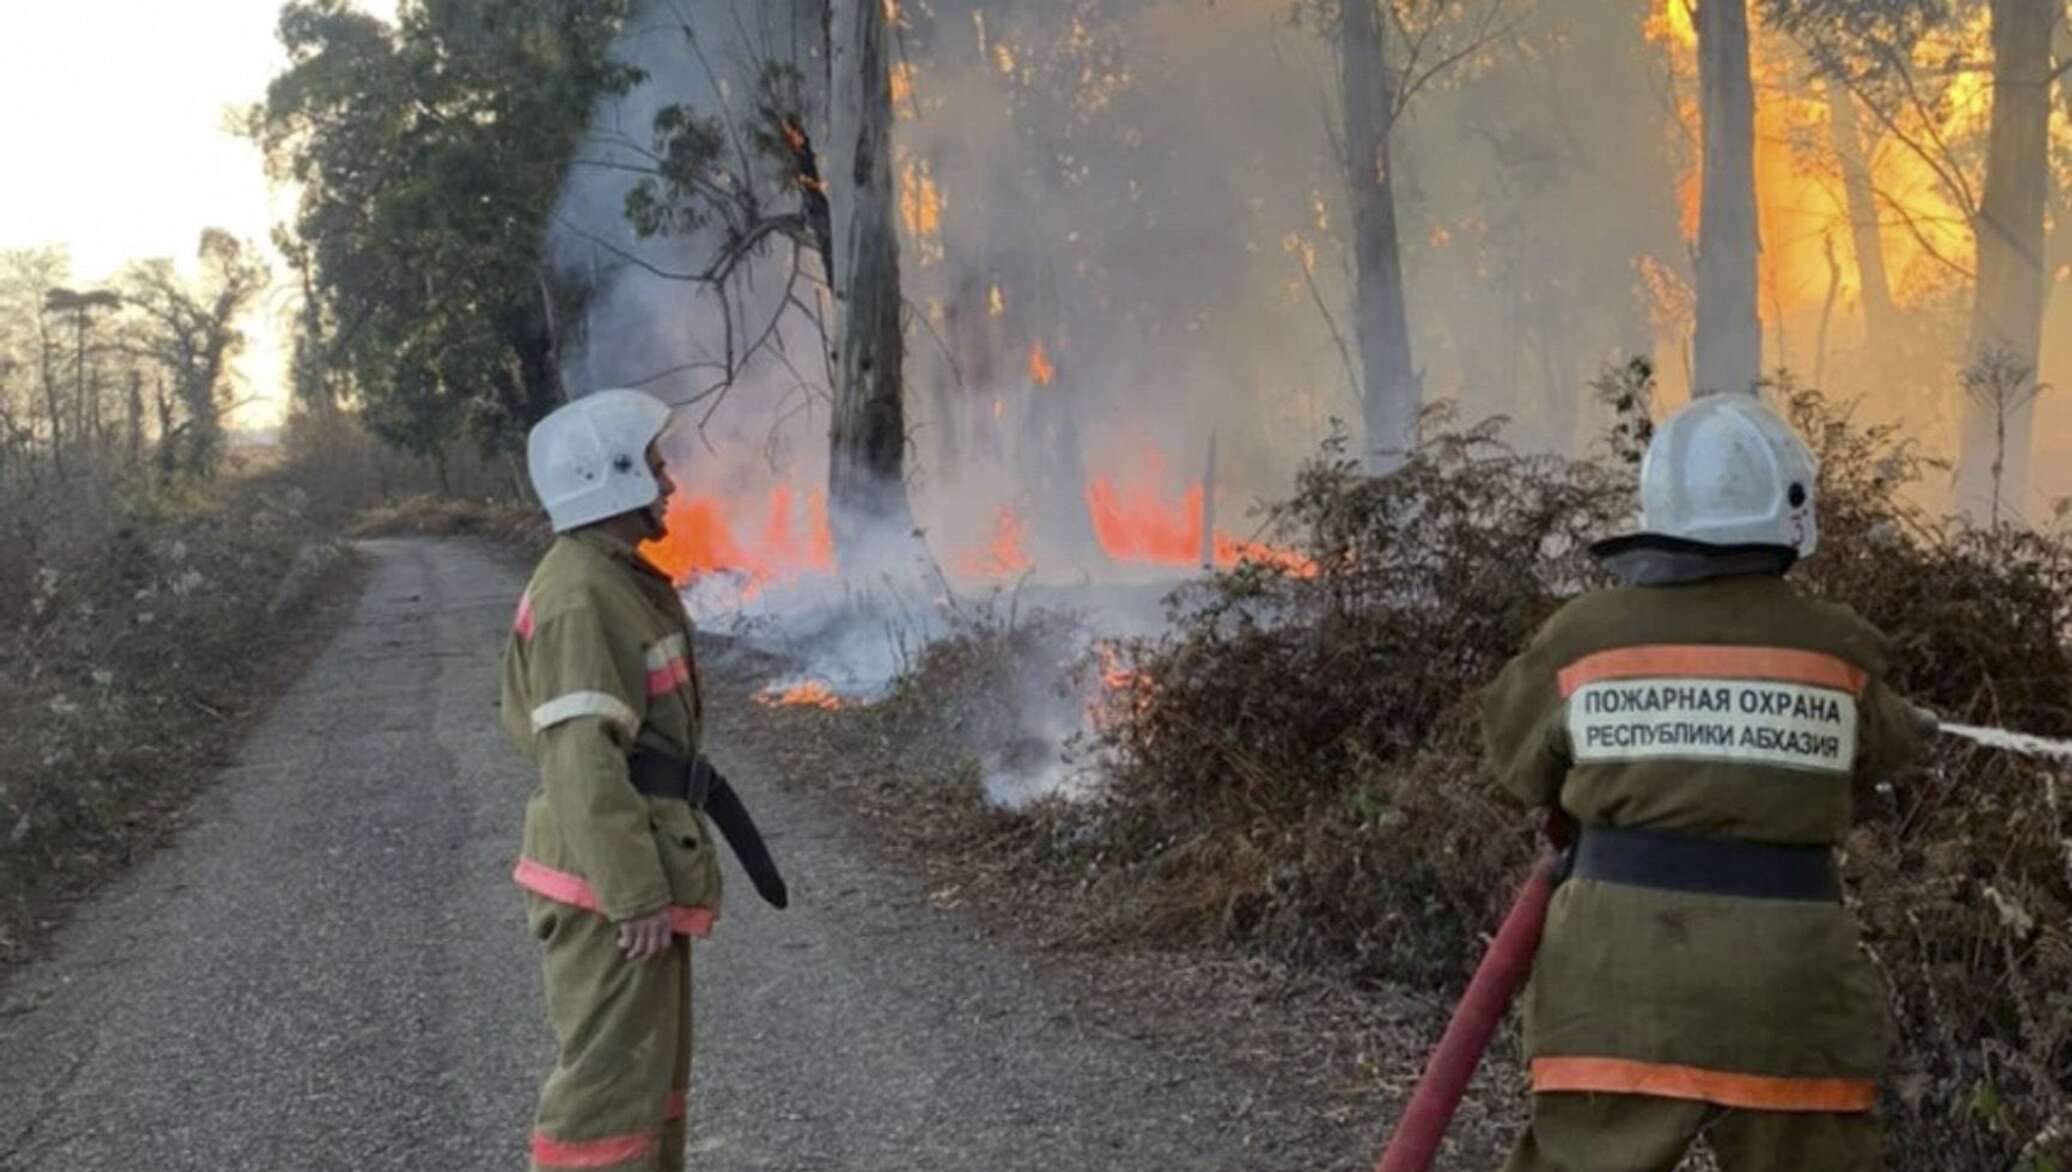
599	663
1729	706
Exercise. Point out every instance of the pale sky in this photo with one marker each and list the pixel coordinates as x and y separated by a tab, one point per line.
112	141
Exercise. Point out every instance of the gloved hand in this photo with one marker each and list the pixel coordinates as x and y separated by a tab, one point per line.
1926	721
1560	828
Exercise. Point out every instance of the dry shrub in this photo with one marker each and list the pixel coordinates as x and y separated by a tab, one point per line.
1294	767
128	637
1284	762
1962	869
514	524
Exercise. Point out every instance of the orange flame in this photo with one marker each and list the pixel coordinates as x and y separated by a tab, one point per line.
1005	555
1040	368
1124	691
701	539
807	694
1798	206
1139	522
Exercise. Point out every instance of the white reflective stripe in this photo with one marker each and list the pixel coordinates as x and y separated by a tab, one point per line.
576	704
665	652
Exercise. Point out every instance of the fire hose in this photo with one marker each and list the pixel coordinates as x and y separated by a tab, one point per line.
1497	980
1508	963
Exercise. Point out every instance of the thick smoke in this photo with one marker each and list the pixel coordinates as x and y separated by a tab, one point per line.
1124	243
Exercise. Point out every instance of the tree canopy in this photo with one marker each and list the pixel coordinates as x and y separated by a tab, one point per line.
429	154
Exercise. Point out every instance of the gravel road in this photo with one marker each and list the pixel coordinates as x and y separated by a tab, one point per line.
329	969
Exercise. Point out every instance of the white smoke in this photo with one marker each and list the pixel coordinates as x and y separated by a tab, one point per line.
1147	190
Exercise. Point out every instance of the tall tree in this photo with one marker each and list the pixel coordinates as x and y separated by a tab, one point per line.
1729	344
192	332
1391	395
1378	76
2007	308
429	155
867	494
27	352
1903	59
1881	315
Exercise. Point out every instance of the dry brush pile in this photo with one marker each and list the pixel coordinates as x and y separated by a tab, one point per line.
1294	769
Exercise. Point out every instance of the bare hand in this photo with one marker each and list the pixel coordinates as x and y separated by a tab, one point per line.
646	937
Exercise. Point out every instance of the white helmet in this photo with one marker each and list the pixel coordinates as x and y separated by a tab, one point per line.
1726	470
588	459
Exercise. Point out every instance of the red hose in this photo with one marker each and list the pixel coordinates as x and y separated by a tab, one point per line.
1497	980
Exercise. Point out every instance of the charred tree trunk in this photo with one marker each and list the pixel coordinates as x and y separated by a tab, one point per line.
1391	396
1880	315
1730	337
2007	310
867	446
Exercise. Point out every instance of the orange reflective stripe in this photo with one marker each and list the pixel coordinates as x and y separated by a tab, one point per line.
1759	1092
522	621
575	891
548	1152
1717	662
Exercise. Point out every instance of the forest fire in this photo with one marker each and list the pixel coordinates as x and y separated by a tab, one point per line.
1041	371
1006	553
1804	139
1123	690
1140	522
803	694
794	539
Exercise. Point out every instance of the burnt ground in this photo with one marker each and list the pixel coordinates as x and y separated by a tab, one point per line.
328	967
1319	1068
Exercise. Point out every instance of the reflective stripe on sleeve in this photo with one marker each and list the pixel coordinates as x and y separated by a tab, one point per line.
1756	1092
668	665
576	704
548	1152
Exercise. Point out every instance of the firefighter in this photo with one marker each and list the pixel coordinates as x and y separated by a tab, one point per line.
1697	734
618	866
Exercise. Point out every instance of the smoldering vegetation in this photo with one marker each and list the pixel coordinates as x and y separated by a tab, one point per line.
1293	771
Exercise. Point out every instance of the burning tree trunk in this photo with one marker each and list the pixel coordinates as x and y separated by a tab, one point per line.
1391	395
2007	310
1880	316
1730	339
867	447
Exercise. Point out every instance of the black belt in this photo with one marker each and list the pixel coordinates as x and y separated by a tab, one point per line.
660	775
698	783
1709	864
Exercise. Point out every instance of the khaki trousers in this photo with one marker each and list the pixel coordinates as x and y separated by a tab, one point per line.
615	1100
1579	1132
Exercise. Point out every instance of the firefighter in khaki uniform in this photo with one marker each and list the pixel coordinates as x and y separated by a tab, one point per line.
1697	732
619	873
